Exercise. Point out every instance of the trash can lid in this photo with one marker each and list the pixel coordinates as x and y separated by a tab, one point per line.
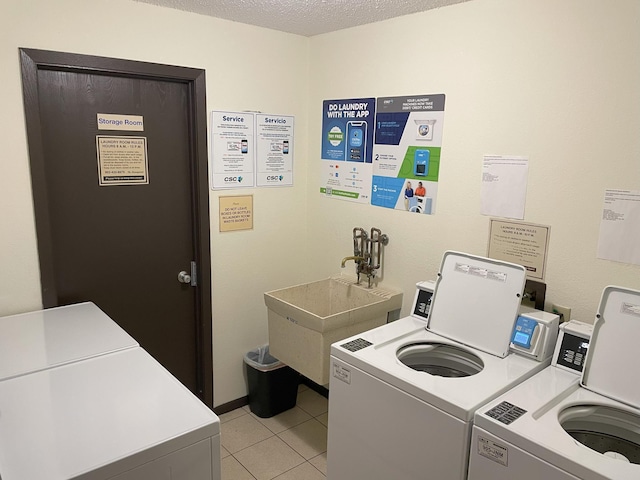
262	360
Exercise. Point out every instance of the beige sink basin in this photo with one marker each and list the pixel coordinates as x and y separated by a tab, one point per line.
304	320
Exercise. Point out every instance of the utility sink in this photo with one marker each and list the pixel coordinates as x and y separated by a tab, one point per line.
304	320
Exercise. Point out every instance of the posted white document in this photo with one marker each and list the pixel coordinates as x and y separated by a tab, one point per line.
620	227
504	186
232	150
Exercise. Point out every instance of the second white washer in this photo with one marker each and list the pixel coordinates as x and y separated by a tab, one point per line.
402	396
572	427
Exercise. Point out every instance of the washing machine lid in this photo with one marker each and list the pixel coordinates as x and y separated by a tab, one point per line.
476	301
613	350
97	418
43	339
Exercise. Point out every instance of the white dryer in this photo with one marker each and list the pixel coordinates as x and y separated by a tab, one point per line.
402	396
81	400
569	429
35	341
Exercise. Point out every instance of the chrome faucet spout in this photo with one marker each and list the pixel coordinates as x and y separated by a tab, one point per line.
355	258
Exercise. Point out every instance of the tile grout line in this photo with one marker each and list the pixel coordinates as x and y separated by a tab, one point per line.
312	416
276	435
280	474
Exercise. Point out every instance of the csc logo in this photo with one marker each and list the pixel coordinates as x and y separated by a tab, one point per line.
233	179
277	178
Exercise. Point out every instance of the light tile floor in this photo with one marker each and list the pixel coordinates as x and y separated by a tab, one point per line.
289	446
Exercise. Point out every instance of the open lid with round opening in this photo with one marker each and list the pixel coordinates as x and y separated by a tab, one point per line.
613	351
440	359
476	301
610	431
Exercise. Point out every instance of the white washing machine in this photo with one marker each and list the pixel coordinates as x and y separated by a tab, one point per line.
115	413
402	396
572	428
35	341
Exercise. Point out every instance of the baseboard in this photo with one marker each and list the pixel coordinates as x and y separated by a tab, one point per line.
322	390
232	405
241	402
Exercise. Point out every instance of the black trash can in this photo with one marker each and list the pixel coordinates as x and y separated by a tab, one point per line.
273	386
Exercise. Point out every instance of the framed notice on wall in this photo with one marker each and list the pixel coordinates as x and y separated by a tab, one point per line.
524	244
122	160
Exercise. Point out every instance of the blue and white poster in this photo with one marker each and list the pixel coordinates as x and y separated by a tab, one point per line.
347	148
406	152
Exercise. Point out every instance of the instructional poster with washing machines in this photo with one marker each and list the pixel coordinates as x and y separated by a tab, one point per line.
347	144
406	152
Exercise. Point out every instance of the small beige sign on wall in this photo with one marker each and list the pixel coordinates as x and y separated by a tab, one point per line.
236	213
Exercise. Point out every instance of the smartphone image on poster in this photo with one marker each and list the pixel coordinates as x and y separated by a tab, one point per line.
285	146
356	141
244	145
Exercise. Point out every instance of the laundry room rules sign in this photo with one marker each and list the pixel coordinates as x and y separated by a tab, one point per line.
122	160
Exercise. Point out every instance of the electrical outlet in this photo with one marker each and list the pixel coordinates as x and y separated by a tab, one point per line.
564	312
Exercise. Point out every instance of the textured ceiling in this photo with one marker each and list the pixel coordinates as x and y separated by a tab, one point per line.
304	17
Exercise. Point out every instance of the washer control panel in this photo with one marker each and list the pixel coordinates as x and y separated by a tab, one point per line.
573	343
422	301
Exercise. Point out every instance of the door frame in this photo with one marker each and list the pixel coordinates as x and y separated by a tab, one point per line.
33	60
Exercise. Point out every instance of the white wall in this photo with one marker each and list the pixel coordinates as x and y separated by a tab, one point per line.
556	81
244	71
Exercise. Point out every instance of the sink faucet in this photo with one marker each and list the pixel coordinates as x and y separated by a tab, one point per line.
366	252
355	258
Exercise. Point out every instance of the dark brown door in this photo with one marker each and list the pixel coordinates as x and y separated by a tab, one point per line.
122	245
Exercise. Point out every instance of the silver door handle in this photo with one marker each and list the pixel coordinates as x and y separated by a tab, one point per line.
189	279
